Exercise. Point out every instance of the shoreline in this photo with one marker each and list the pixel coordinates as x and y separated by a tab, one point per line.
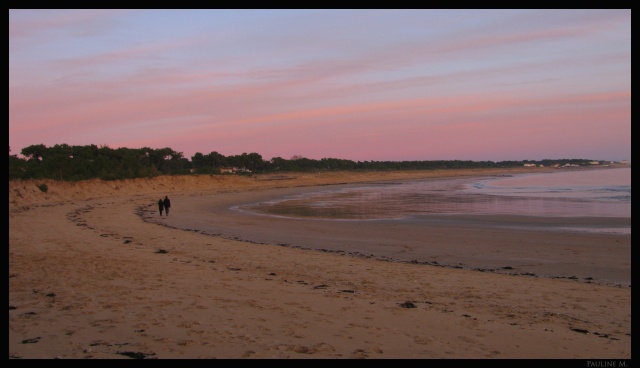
506	269
533	246
90	279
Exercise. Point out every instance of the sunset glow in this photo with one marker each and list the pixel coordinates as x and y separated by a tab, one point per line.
352	84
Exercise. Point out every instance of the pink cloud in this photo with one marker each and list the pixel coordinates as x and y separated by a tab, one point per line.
389	119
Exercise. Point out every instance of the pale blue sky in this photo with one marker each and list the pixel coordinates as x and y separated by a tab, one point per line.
354	84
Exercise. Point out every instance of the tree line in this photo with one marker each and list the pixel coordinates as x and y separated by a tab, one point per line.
73	163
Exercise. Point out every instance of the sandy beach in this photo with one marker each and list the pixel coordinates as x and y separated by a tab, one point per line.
96	273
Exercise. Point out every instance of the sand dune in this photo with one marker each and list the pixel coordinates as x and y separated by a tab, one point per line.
90	278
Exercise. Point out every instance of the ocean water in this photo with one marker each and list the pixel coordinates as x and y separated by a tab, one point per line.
602	193
564	192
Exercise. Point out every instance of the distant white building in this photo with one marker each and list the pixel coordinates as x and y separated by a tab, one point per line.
233	170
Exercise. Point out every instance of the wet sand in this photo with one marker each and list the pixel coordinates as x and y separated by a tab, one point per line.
519	245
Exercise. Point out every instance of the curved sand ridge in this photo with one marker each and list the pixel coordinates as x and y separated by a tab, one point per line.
89	278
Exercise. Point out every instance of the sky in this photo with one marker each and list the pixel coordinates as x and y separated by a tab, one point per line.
360	84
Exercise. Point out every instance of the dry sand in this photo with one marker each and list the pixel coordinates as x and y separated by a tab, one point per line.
91	277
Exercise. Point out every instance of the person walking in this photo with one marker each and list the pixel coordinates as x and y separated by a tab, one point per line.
167	204
160	205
